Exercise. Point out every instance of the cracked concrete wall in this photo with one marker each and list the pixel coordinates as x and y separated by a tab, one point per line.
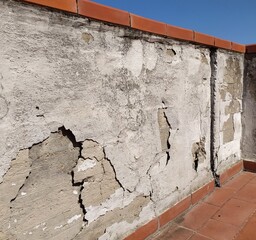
249	109
229	91
101	125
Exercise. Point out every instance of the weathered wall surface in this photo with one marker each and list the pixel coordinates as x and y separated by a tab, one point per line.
249	109
228	108
103	127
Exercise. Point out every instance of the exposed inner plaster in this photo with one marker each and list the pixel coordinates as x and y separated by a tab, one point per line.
164	128
67	181
198	152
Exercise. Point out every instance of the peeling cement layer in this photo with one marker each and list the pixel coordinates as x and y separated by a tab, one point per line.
229	90
44	200
43	180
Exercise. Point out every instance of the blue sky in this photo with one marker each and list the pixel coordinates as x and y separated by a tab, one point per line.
233	20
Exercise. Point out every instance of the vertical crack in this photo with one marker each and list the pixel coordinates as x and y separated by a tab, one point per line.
164	128
213	139
112	166
68	133
167	141
13	199
80	200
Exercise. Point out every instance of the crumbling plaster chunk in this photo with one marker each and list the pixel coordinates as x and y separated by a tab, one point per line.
84	165
129	213
47	187
98	191
122	162
118	229
91	149
229	149
119	199
164	128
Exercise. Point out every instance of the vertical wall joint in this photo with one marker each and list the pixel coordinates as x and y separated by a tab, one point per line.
213	130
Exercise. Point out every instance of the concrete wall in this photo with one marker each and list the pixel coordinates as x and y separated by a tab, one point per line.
103	127
249	111
228	108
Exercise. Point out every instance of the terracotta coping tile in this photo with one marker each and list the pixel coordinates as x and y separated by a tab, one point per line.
116	16
249	166
202	192
251	48
220	43
174	211
144	231
66	5
112	15
203	39
179	33
102	12
148	25
238	47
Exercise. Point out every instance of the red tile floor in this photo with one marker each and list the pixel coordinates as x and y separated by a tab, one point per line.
229	213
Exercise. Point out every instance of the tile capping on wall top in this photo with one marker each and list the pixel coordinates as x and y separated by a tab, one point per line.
115	16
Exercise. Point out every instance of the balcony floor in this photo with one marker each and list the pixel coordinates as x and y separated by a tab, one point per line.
229	213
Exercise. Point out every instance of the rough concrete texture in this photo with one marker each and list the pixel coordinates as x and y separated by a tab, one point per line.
229	82
137	107
42	203
249	109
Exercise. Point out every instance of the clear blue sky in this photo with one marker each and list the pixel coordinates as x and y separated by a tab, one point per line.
233	20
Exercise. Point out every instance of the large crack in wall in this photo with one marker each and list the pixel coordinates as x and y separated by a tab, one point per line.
43	203
164	129
62	189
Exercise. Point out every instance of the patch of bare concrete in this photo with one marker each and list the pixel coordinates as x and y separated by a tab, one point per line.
41	203
50	189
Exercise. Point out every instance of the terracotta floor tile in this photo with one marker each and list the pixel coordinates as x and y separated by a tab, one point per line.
239	181
235	212
253	180
247	193
220	216
199	237
199	215
220	196
248	232
175	233
218	230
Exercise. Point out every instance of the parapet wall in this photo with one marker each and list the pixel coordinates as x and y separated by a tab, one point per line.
104	127
249	104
